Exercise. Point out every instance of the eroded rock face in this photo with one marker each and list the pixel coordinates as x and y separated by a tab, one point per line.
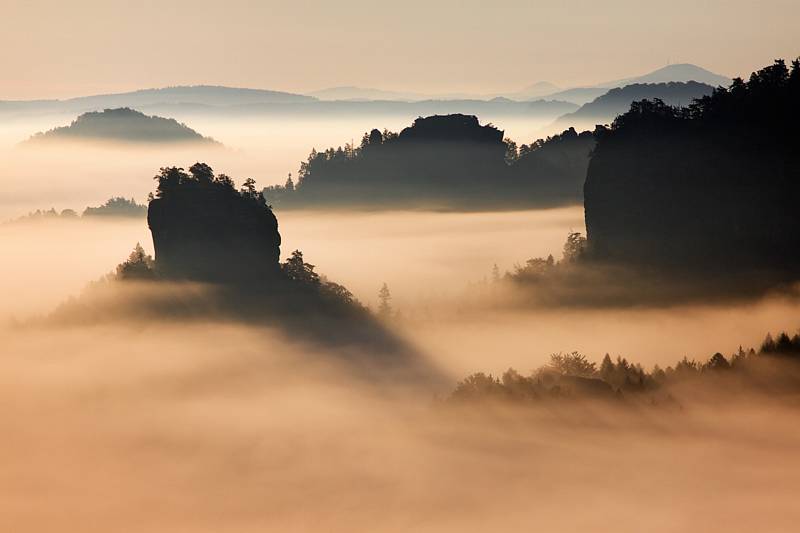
710	191
452	128
213	234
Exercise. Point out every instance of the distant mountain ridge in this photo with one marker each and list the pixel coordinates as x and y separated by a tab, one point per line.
206	95
351	93
710	191
223	95
200	94
603	109
682	72
123	125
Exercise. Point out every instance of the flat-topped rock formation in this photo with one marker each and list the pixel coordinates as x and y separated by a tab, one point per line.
205	230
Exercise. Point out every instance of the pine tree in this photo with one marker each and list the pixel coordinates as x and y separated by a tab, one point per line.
607	369
384	308
495	273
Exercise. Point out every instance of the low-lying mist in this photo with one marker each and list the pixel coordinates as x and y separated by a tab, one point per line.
205	427
434	264
155	423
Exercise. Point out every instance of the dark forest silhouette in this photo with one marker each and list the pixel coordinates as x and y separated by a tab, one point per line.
449	161
688	203
712	188
772	370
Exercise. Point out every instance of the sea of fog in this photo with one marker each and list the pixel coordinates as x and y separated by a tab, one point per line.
433	264
155	425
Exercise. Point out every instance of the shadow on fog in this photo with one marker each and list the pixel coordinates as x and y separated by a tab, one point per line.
217	255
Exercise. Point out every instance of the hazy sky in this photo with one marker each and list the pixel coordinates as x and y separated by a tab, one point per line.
54	48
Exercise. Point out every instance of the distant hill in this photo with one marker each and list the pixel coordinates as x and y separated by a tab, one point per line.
195	95
291	108
537	90
362	94
441	162
498	107
672	73
366	94
603	109
679	72
578	95
123	125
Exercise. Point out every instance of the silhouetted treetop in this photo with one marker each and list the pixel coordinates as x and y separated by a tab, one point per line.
705	188
604	108
117	207
138	266
204	229
442	161
775	368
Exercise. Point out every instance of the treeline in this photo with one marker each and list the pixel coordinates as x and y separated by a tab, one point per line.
773	368
140	266
712	188
449	161
113	207
695	203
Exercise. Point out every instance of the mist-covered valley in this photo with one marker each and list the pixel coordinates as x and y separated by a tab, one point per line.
453	323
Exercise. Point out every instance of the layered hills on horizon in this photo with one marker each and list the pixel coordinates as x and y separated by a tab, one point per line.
682	72
211	95
604	108
221	96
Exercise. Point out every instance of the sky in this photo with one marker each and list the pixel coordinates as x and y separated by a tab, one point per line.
52	48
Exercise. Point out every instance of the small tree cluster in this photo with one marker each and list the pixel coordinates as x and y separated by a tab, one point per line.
202	176
619	374
138	266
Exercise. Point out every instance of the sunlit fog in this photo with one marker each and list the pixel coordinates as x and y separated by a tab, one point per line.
450	268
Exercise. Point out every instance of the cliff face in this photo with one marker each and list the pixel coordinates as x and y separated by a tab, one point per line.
213	234
712	189
452	128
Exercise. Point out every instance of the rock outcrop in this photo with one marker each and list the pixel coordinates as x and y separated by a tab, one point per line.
711	190
205	230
